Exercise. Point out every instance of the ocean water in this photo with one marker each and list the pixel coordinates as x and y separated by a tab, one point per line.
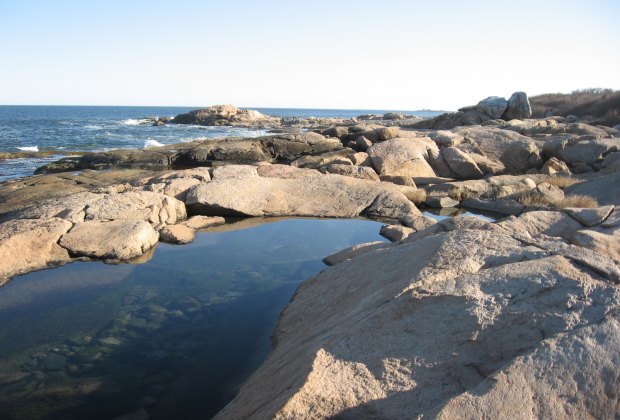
98	128
170	338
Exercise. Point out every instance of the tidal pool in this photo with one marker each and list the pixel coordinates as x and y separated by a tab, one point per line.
173	337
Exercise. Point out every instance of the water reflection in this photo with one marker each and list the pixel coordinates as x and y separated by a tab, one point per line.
173	337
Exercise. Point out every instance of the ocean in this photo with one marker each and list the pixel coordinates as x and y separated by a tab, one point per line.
99	128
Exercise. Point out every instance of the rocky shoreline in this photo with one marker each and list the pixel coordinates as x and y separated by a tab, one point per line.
461	317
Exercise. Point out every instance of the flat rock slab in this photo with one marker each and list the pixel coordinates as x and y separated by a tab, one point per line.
28	245
323	196
354	252
115	240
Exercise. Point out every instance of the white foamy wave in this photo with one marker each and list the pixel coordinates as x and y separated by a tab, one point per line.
131	121
151	143
29	148
93	127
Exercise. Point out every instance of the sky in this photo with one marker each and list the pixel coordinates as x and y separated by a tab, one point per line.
342	54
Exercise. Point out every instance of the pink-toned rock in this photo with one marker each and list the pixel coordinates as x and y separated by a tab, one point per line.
177	234
403	157
30	244
114	240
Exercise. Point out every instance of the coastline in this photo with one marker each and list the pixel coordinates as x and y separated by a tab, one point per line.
377	333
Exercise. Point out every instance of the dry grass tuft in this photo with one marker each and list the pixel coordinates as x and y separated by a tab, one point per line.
530	199
562	181
417	196
580	201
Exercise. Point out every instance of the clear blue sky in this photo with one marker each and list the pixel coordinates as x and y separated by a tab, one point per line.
390	54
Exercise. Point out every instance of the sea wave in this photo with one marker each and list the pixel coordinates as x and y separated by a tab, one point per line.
29	148
152	143
137	121
93	127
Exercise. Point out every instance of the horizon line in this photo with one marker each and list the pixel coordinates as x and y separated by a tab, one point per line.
240	107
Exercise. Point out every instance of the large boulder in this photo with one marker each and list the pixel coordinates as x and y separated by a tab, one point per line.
461	164
515	152
464	321
493	106
30	244
137	205
518	107
404	157
114	240
322	196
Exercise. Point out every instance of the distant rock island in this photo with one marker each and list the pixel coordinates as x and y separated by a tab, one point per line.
466	317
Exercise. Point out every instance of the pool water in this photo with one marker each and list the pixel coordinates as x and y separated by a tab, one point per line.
173	337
